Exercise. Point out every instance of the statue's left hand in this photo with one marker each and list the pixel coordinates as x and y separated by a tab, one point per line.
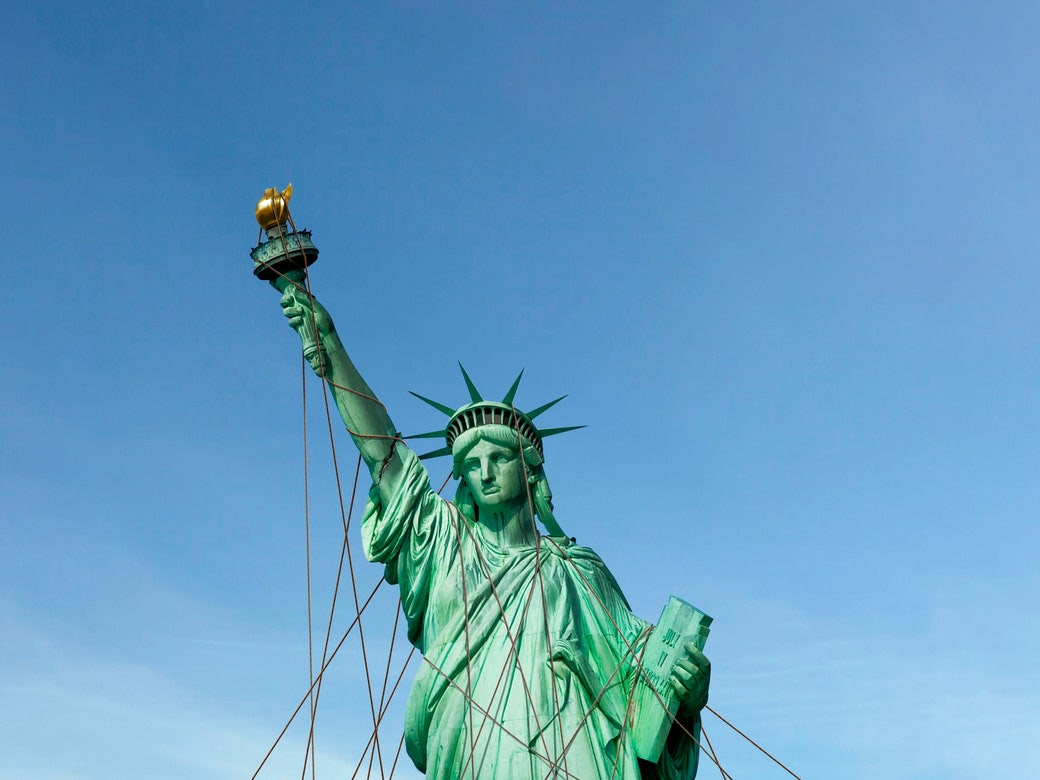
690	680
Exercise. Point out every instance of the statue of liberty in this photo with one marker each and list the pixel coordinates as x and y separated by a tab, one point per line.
534	665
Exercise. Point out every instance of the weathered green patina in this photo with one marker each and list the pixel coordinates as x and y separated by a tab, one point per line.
534	663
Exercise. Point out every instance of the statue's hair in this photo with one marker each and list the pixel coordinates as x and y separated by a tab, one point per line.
503	436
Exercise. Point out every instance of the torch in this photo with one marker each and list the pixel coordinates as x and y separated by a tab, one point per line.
283	258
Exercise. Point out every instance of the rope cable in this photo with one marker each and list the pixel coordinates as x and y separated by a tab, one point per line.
335	590
389	659
307	535
625	728
458	519
745	736
342	508
384	710
595	702
538	574
506	731
397	755
513	656
469	659
321	673
641	671
715	756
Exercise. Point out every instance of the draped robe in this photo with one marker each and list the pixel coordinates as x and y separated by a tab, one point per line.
530	651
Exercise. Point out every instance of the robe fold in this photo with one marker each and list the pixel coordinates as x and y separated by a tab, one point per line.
530	651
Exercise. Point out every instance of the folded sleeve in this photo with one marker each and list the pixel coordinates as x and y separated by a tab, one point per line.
408	532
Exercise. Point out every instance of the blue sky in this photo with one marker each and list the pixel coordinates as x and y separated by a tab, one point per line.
783	258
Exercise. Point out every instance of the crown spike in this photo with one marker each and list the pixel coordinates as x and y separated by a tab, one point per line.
474	394
431	435
545	407
436	453
438	406
508	400
546	432
480	412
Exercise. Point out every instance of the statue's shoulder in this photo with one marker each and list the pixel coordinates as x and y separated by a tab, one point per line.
568	547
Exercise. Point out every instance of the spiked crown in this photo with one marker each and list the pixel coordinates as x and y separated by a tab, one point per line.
481	411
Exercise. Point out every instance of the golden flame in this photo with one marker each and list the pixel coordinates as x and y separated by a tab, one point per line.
273	207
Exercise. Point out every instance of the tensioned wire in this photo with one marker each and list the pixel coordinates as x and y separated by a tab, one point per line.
638	659
541	581
457	521
631	650
382	714
313	694
343	514
321	673
469	660
328	414
704	734
335	595
307	533
587	714
384	700
339	490
389	659
640	670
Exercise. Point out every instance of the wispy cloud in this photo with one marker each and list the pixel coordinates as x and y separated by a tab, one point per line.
131	721
69	716
928	705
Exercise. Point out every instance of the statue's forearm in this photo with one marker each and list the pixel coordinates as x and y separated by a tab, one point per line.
364	415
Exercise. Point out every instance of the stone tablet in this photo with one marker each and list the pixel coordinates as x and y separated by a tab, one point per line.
680	623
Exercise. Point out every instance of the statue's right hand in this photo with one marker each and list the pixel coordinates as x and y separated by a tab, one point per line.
302	310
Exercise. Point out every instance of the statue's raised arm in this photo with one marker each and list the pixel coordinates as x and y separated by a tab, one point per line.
282	260
363	413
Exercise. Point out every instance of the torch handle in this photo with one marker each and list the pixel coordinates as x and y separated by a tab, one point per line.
296	282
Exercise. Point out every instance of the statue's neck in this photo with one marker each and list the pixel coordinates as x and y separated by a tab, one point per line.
512	527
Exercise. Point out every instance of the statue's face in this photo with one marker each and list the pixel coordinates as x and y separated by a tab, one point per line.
495	476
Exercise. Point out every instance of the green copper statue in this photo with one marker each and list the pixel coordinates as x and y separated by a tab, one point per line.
534	665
